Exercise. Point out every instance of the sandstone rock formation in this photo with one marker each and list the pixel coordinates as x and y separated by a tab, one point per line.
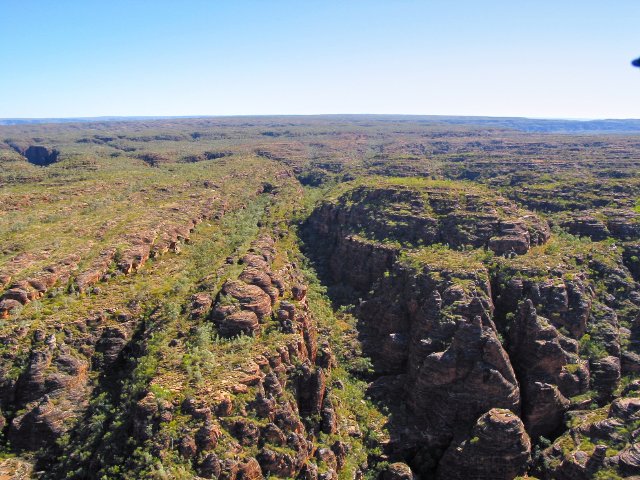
498	447
549	369
603	441
459	338
34	287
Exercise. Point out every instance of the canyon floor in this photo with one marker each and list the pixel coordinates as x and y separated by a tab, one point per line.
331	297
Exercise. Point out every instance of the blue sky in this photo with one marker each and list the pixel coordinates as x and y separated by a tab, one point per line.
537	58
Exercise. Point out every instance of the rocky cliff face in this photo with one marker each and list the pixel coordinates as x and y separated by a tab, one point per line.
433	214
463	308
621	224
549	368
432	330
52	392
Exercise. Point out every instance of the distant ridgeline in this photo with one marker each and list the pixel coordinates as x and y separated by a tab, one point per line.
516	123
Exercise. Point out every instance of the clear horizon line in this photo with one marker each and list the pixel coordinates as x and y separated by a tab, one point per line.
98	117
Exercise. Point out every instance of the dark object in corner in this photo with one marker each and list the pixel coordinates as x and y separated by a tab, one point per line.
636	62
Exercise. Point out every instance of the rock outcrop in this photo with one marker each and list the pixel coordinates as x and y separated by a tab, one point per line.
244	303
49	393
451	388
598	225
427	320
397	471
603	442
284	391
498	447
356	225
34	287
549	369
458	336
